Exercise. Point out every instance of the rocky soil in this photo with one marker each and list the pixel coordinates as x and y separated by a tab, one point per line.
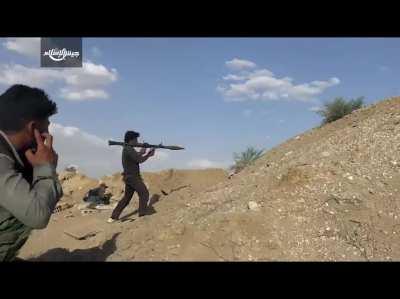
330	194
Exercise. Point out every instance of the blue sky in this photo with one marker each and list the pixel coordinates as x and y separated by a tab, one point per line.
214	96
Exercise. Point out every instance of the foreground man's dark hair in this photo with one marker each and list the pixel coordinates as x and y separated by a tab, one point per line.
20	104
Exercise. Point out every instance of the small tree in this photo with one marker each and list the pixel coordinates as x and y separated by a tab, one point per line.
245	158
338	108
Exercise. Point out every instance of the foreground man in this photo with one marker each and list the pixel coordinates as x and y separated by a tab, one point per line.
132	178
29	187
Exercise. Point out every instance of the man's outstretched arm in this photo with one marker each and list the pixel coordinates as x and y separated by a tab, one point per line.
140	158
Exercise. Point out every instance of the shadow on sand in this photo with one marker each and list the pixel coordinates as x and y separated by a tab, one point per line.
94	254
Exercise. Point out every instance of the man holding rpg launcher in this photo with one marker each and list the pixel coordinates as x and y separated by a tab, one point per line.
132	178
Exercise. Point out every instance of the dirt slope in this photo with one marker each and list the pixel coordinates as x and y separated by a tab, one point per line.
55	243
328	194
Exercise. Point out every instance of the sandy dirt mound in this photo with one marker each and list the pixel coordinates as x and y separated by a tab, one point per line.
328	194
72	235
75	186
166	182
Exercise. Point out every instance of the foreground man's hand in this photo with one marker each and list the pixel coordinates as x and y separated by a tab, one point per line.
45	153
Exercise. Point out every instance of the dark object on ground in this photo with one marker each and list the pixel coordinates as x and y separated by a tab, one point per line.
93	197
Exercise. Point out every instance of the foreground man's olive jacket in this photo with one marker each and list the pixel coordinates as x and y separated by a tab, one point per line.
28	197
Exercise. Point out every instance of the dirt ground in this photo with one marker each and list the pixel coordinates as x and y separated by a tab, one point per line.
330	194
55	242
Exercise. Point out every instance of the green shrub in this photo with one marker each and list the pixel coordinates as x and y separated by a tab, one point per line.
338	108
245	158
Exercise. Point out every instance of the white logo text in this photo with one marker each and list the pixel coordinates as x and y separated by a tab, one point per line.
60	55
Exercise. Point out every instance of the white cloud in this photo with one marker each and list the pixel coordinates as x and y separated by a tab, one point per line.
28	46
232	77
262	84
91	153
240	64
248	75
315	109
90	75
85	94
86	83
16	73
65	131
204	163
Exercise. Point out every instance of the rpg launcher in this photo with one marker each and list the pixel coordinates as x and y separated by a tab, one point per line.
146	145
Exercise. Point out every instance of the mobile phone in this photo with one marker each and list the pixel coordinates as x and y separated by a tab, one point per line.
34	143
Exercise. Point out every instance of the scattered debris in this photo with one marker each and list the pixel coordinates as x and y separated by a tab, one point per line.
89	211
81	235
62	207
106	207
86	205
253	206
325	154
